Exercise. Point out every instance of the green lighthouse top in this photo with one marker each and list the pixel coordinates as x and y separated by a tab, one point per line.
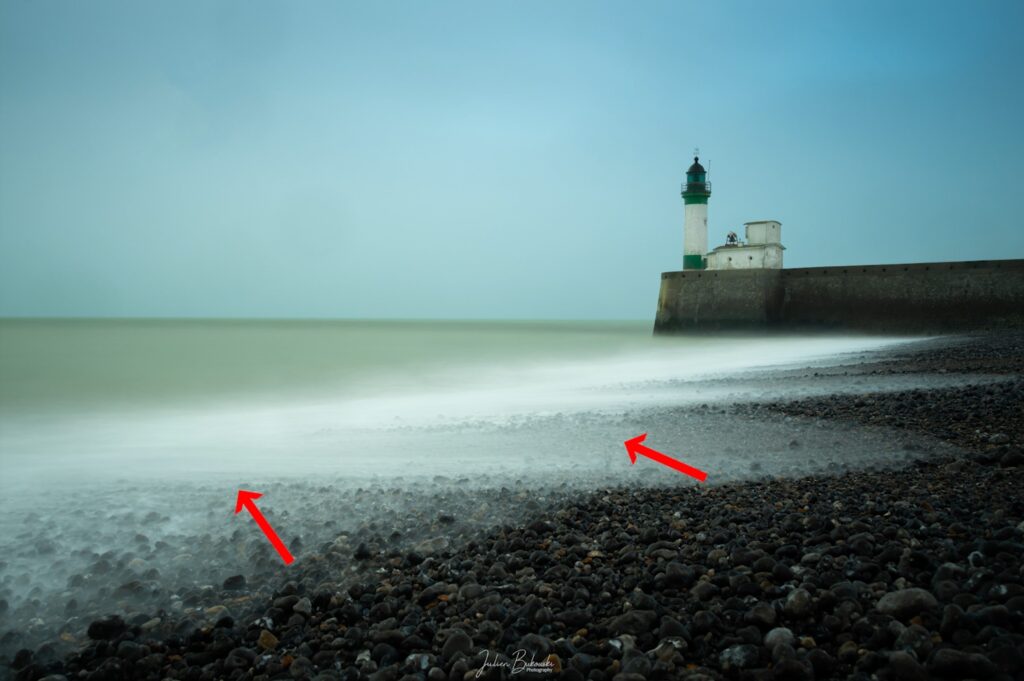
696	189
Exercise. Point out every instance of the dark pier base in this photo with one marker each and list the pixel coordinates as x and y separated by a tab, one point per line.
918	298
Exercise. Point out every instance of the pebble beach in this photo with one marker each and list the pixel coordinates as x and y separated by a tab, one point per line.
912	570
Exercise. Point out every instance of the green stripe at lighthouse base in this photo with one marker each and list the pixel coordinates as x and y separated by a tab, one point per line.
693	262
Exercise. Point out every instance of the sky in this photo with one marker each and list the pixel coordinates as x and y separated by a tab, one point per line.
485	160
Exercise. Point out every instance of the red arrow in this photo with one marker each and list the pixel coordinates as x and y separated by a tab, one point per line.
633	447
247	499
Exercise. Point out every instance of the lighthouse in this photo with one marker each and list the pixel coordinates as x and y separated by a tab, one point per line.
695	193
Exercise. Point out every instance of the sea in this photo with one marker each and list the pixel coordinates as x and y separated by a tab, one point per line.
123	443
84	400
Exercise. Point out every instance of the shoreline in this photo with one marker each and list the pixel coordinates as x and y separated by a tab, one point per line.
616	585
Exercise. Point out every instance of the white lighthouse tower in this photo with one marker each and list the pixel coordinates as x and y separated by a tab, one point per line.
695	193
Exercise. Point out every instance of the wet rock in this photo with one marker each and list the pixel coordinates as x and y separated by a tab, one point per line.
742	656
267	640
822	663
778	636
704	621
470	592
432	593
955	664
906	603
240	658
107	628
672	628
234	583
301	668
130	650
798	604
903	665
22	659
634	622
679	575
917	639
303	606
537	647
791	669
762	615
1012	457
431	546
704	590
458	642
384	654
848	652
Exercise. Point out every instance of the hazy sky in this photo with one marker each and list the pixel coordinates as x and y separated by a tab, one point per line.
436	159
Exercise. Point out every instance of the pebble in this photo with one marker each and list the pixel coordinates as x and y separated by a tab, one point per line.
267	640
906	603
107	628
778	636
458	642
798	604
957	664
742	656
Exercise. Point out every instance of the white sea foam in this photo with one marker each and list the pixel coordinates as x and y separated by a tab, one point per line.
472	410
119	438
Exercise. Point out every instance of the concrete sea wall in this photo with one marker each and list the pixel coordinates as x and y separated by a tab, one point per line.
905	298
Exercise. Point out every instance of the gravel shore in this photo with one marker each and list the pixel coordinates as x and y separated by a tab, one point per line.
911	573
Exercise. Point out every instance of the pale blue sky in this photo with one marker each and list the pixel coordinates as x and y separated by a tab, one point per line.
464	160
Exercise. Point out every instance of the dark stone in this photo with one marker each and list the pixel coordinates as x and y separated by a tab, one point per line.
903	665
792	669
537	647
234	583
823	663
458	642
679	575
956	664
431	593
129	650
906	603
22	659
384	654
107	628
574	619
634	622
672	627
782	573
704	621
798	604
742	656
1012	458
704	590
286	603
762	615
778	636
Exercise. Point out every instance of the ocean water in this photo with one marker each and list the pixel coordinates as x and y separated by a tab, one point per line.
84	400
123	443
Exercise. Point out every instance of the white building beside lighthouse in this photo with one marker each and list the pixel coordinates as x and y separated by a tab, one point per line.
762	249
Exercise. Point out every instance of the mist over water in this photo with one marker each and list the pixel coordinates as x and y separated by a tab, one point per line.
156	399
122	443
